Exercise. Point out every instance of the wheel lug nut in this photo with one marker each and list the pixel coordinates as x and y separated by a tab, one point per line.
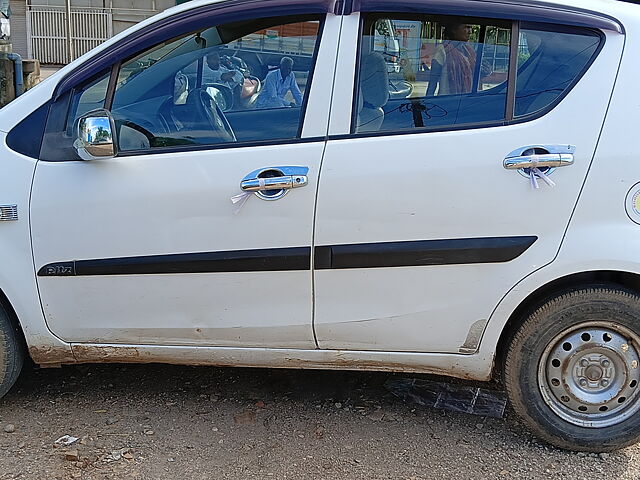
583	382
604	383
605	363
584	362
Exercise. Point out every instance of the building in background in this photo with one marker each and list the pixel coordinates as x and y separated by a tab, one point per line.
39	27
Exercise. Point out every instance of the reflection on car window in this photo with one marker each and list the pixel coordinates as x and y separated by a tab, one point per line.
548	63
86	98
231	83
439	72
431	72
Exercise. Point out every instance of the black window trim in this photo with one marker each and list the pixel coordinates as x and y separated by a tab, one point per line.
221	146
518	25
113	83
512	72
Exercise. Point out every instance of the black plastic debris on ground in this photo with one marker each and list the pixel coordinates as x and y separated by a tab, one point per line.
445	396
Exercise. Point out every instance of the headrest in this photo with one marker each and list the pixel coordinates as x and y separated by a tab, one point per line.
374	80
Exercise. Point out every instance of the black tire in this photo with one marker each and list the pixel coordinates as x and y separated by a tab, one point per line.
575	360
11	353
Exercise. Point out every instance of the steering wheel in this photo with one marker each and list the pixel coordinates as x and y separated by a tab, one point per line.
207	116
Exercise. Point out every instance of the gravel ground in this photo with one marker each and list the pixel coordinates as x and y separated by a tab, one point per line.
166	422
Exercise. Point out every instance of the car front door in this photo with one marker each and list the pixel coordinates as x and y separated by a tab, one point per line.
148	248
421	229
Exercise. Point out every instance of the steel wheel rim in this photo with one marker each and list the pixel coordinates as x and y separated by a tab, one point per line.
589	375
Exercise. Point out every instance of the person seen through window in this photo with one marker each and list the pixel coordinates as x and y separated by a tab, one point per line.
453	64
215	72
276	86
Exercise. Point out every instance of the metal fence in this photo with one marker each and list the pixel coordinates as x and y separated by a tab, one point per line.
47	32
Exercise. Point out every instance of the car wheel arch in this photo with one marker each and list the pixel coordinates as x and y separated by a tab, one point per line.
5	303
626	280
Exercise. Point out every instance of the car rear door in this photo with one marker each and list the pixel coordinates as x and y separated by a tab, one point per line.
420	228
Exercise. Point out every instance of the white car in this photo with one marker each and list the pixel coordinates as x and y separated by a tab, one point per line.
486	227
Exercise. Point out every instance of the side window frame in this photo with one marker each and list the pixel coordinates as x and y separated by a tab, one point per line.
56	122
510	118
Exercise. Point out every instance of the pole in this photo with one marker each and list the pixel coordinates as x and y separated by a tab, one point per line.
70	52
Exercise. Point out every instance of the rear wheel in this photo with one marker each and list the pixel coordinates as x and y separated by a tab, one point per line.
11	353
572	370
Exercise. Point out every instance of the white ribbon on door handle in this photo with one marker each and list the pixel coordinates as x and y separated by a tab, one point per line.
240	199
535	172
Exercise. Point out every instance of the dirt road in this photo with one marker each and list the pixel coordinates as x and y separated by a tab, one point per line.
164	422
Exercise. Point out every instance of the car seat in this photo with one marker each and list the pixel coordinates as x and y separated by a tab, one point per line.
373	93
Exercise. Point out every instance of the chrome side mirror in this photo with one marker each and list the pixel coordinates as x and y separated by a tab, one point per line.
94	136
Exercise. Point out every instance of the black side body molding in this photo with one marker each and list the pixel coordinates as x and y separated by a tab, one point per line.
422	252
360	255
266	260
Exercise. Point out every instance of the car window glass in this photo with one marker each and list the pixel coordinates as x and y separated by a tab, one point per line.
232	83
418	72
549	61
86	98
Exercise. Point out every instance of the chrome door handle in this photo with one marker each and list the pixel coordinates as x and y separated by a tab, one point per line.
285	182
273	183
539	161
549	160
